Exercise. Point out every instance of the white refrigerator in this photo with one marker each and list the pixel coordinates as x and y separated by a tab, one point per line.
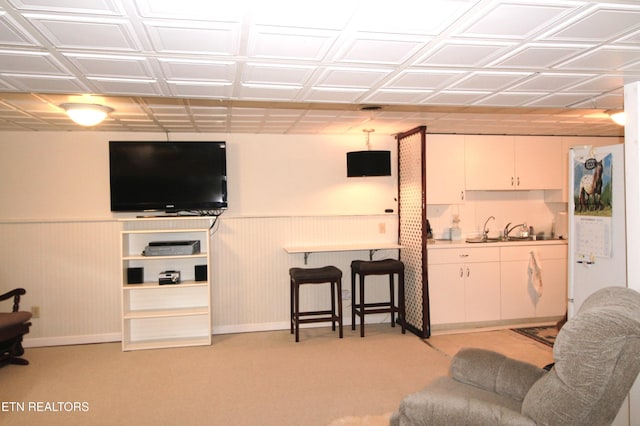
596	213
597	231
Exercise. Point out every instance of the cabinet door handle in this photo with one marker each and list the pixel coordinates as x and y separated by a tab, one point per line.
461	272
511	180
464	255
518	181
462	195
468	272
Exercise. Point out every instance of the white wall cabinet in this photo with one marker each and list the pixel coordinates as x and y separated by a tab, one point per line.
171	315
538	162
445	169
488	162
512	162
518	296
464	285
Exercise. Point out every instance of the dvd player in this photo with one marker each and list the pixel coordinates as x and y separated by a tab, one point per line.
172	248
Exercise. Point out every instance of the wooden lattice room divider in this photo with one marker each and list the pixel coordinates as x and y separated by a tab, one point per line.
412	230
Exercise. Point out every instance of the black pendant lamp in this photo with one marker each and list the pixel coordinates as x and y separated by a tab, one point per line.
369	162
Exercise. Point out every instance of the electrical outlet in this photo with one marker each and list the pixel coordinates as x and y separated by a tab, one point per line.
35	311
346	294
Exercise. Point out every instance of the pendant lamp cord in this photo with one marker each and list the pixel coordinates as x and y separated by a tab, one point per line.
368	132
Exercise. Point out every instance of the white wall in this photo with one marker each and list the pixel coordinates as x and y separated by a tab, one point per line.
54	175
59	175
61	242
302	175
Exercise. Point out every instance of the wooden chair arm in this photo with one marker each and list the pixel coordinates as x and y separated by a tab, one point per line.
15	293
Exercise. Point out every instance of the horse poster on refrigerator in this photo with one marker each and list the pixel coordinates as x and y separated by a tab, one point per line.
593	201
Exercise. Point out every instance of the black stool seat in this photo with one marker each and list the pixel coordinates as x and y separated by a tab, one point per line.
315	275
377	267
326	274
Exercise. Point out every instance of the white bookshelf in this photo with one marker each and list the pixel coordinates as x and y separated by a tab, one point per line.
171	315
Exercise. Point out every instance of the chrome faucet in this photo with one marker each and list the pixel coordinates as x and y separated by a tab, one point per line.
485	231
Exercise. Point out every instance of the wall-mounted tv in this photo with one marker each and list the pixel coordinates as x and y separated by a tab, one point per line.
168	176
368	163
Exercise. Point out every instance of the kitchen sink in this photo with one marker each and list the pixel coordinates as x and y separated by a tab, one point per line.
511	239
519	238
482	240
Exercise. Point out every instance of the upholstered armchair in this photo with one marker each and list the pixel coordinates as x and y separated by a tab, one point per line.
13	325
597	359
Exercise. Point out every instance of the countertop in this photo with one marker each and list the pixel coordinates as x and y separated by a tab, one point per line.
443	244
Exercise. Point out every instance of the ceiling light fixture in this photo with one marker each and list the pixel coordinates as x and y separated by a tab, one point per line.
86	114
617	116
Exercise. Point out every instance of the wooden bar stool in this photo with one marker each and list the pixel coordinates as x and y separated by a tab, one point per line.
327	274
377	267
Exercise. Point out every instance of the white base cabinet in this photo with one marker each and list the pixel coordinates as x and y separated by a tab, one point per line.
518	296
169	315
446	293
491	283
464	285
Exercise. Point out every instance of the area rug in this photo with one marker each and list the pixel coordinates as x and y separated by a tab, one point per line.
546	335
382	420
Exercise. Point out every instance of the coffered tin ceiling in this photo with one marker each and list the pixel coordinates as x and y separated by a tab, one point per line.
301	67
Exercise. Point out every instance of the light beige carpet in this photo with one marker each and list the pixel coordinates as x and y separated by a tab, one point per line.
242	379
382	420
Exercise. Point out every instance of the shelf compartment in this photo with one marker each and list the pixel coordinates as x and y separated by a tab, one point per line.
159	298
134	242
151	269
175	256
163	331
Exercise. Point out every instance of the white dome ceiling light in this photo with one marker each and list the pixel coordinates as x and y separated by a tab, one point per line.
87	115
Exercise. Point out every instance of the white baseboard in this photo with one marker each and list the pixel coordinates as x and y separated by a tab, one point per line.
284	325
249	328
71	340
35	342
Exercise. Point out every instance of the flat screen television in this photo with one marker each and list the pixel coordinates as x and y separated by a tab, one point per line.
168	176
368	163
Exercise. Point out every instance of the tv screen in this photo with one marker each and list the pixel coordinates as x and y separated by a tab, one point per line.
368	163
168	176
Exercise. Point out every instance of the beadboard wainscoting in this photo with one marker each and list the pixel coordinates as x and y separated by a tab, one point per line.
71	271
250	268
